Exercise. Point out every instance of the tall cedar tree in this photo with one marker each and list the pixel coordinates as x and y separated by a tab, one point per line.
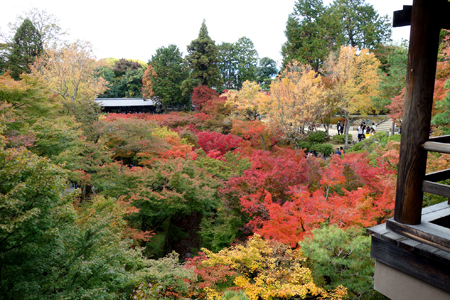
203	61
168	74
228	64
247	61
310	35
27	44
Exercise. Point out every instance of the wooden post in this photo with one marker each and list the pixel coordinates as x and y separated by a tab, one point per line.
420	77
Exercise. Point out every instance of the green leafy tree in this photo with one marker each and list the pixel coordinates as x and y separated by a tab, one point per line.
360	24
3	58
267	69
203	60
442	118
341	257
238	62
166	277
50	250
311	34
29	97
393	78
168	73
130	83
26	46
124	77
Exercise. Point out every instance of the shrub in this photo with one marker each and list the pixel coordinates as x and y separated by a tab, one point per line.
304	145
232	295
317	137
167	278
395	137
340	139
325	149
341	256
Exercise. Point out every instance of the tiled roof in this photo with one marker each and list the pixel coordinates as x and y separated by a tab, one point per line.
113	102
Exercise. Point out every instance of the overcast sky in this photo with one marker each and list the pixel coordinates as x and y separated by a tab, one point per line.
136	28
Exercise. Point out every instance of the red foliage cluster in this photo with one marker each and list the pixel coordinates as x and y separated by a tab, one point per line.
201	95
273	172
259	134
288	196
217	144
171	120
207	276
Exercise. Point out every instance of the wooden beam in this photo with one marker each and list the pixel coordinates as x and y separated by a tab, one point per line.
440	139
436	188
443	19
402	17
433	270
438	176
420	77
437	147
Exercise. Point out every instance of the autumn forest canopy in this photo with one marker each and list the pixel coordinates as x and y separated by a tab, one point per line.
237	195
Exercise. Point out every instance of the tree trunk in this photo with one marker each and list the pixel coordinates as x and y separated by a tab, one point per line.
346	128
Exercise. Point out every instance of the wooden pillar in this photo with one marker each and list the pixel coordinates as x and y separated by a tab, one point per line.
420	77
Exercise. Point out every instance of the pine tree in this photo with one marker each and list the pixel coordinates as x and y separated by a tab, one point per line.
203	62
27	45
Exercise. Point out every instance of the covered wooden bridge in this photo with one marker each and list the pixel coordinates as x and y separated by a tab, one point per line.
128	105
412	250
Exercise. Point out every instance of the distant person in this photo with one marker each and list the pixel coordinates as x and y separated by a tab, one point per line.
342	127
360	133
367	133
339	127
342	150
338	152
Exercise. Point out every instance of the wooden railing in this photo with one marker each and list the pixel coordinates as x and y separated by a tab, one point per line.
430	183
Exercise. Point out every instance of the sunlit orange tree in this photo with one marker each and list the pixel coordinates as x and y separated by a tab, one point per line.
355	80
296	101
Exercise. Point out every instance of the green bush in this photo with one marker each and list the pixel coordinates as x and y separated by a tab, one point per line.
304	145
233	295
395	137
317	137
340	139
325	149
341	256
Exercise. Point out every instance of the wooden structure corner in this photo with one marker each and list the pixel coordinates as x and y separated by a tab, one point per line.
415	244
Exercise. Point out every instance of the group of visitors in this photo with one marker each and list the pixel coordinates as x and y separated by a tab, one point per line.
313	153
339	151
340	128
364	131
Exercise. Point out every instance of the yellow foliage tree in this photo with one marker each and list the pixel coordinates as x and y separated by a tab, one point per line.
248	101
268	270
297	99
71	72
354	81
